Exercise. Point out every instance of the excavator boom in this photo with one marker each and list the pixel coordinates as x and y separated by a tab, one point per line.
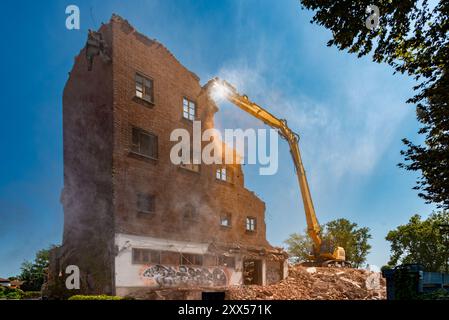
330	255
242	101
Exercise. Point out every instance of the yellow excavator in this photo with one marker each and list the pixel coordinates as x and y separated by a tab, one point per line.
324	253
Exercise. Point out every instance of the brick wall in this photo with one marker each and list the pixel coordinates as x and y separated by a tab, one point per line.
87	194
173	187
102	178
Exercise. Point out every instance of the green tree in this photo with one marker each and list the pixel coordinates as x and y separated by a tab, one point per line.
33	273
353	239
299	246
340	232
420	241
412	37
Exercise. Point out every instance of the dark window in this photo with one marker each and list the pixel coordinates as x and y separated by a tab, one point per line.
191	259
225	220
144	143
146	203
210	260
226	261
252	272
250	224
190	166
189	109
144	88
170	258
190	213
146	256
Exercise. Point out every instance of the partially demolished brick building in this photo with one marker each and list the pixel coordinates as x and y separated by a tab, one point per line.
134	223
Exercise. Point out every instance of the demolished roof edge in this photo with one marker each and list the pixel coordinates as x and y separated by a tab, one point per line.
118	19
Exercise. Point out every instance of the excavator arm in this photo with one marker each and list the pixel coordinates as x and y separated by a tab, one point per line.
242	101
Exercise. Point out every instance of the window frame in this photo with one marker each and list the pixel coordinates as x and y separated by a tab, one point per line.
219	174
152	204
170	257
248	224
140	132
226	261
191	167
143	85
149	252
225	173
190	116
190	213
228	217
191	262
196	168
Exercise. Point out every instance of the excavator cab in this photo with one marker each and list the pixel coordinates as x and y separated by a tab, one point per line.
327	246
332	255
328	255
340	254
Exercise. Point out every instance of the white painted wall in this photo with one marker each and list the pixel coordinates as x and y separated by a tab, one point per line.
130	275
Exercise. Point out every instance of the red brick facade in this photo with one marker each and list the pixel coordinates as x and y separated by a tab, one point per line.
103	176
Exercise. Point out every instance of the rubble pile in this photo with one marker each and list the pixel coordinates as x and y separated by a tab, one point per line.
317	284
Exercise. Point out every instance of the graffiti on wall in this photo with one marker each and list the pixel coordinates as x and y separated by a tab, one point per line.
185	276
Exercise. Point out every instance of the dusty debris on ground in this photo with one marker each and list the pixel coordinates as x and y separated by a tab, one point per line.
322	284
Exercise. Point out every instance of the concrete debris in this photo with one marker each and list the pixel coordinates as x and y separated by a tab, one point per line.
351	282
322	284
373	281
311	270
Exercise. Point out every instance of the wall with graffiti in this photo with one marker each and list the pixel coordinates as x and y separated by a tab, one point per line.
131	275
185	276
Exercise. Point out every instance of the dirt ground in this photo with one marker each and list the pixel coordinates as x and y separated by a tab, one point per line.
317	284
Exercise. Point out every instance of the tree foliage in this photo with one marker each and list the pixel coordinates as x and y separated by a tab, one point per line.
412	37
420	241
341	232
353	239
299	246
33	273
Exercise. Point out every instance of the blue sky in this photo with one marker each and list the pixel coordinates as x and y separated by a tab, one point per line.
350	113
